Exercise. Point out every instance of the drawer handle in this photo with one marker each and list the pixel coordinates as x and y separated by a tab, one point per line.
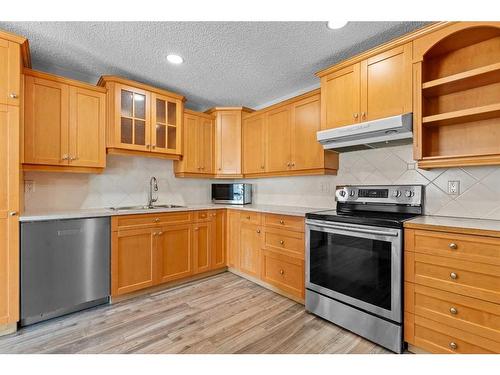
282	242
282	222
453	346
156	220
453	311
282	272
453	275
453	246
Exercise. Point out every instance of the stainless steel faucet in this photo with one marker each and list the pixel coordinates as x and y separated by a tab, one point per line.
153	186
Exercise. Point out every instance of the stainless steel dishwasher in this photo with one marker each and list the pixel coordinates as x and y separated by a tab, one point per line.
65	267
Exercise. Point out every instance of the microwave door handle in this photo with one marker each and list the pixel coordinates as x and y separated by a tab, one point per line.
358	230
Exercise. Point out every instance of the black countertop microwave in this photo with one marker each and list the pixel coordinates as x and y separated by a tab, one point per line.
232	193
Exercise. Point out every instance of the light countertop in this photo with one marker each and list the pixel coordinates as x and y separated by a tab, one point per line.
456	224
100	212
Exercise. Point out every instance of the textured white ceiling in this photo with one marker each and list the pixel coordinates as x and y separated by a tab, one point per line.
226	63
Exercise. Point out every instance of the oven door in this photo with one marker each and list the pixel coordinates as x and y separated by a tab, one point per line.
359	265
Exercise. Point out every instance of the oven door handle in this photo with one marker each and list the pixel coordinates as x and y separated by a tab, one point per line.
394	233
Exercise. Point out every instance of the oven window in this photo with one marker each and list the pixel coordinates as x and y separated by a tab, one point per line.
356	267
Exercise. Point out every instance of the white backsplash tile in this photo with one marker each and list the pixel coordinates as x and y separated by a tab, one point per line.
125	182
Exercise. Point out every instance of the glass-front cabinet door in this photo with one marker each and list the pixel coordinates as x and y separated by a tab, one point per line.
133	128
166	124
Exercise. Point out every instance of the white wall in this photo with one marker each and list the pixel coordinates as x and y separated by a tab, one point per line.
125	182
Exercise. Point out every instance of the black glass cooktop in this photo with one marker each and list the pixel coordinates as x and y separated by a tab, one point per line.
375	218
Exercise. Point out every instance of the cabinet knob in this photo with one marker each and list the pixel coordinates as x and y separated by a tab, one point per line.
258	230
293	164
148	146
248	217
12	213
65	157
453	311
453	246
71	158
288	164
453	346
156	220
160	233
453	275
220	169
13	95
355	115
282	272
282	242
282	222
196	228
261	167
153	146
363	115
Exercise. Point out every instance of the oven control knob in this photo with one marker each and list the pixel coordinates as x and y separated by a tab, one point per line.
396	194
352	193
342	193
409	193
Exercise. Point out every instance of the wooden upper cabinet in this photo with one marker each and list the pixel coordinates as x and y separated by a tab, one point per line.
87	128
386	88
278	146
307	152
143	120
10	74
198	146
46	121
340	93
64	124
254	145
374	88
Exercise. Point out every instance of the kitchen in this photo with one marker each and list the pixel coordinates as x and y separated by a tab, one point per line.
359	214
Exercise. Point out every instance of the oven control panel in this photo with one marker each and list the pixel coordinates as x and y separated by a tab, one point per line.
391	194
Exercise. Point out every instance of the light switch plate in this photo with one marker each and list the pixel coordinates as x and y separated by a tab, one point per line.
29	186
454	187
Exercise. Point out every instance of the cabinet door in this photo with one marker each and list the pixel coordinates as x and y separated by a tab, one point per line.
46	122
307	152
386	88
228	142
132	260
190	161
202	247
253	145
250	249
87	128
10	72
174	248
278	140
9	203
166	125
206	145
132	113
218	239
340	95
233	239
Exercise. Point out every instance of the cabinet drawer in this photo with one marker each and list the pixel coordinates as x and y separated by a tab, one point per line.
145	220
283	241
476	280
286	273
294	223
439	338
250	217
204	215
469	314
467	247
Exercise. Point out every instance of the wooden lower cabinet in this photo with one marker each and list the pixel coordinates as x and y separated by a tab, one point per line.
174	252
202	247
452	291
250	249
284	272
132	260
233	238
219	239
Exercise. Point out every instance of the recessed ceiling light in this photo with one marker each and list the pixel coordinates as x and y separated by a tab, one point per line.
336	24
175	59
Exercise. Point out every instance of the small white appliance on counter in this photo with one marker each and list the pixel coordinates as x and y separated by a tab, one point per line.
232	193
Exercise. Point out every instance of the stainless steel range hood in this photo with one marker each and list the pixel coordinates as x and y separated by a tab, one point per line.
388	131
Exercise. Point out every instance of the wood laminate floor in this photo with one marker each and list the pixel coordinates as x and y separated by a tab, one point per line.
220	314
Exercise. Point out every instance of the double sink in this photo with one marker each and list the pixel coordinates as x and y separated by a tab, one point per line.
145	207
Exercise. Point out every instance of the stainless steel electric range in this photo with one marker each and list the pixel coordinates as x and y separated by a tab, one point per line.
354	260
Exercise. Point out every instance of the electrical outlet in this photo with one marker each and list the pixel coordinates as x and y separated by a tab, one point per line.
454	187
29	186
